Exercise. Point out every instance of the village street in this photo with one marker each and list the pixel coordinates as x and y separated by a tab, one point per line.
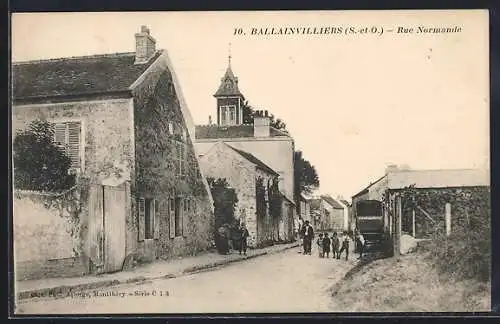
282	282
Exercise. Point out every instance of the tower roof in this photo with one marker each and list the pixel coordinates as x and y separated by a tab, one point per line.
229	84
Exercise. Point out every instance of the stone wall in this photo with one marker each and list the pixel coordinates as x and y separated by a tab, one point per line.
107	145
44	246
276	152
160	128
223	162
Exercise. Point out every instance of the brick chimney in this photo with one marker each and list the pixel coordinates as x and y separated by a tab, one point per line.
145	46
261	124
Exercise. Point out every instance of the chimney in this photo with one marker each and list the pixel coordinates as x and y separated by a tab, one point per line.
145	46
261	124
210	120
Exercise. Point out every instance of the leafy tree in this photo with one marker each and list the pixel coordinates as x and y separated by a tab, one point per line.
249	114
225	200
38	163
305	176
275	205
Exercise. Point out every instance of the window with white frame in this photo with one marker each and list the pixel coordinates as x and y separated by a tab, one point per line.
228	115
68	136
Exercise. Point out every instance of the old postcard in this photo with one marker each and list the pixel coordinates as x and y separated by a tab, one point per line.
249	162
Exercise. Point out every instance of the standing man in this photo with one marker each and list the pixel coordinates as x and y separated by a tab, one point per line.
243	241
307	235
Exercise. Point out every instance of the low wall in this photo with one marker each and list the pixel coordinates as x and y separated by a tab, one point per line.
43	242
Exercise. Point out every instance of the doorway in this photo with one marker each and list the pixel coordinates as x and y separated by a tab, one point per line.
106	227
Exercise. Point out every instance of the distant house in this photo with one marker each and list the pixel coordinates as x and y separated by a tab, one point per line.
329	214
447	197
272	146
243	171
351	224
141	194
305	207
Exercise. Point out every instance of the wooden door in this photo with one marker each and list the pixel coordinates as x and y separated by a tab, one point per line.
96	227
114	227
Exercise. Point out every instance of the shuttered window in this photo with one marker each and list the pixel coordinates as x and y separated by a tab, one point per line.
67	135
141	206
171	215
178	216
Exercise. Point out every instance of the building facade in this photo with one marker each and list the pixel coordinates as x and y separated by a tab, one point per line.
123	121
272	146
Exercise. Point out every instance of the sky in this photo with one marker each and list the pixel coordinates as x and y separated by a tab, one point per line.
353	103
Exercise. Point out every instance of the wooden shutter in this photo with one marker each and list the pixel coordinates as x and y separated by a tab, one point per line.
141	218
156	219
60	134
184	217
74	143
172	218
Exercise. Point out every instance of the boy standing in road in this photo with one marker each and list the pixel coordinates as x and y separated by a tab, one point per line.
345	246
335	246
326	245
319	243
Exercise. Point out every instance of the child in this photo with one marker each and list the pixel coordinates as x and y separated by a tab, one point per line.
244	236
345	246
326	245
319	243
335	246
361	244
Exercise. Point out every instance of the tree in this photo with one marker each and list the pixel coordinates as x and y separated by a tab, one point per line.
38	163
225	200
305	176
249	114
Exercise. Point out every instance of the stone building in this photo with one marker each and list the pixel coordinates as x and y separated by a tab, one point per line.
141	194
419	202
272	146
275	148
328	214
242	171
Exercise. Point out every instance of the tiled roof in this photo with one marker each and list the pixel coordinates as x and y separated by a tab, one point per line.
433	179
439	178
215	131
261	165
315	203
76	75
332	202
345	202
229	85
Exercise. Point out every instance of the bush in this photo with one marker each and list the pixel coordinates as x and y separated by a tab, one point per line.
466	253
38	163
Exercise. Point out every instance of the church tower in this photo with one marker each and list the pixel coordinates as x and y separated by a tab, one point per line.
229	99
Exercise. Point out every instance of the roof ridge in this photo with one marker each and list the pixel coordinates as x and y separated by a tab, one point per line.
253	156
75	58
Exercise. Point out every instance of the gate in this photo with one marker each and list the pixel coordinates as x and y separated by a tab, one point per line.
107	231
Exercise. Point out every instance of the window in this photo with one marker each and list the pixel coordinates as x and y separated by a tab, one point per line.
67	135
149	218
178	217
228	115
148	214
223	112
171	128
180	163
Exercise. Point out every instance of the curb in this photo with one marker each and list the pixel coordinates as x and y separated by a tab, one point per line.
65	290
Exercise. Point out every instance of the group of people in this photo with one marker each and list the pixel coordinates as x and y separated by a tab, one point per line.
337	244
232	237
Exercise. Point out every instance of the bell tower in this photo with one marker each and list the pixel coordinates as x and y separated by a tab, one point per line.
229	99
